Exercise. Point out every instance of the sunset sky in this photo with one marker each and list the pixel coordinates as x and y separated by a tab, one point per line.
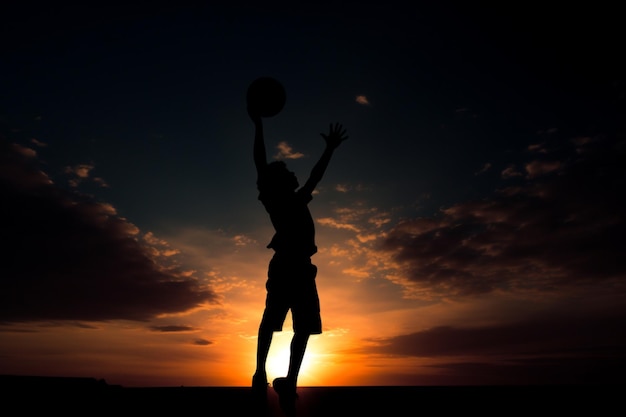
470	231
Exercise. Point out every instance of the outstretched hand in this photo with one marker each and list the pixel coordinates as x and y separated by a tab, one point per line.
335	136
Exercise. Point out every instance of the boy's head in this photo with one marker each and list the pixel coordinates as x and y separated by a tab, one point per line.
280	179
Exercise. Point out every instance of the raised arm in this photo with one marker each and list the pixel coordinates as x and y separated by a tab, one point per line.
260	157
335	136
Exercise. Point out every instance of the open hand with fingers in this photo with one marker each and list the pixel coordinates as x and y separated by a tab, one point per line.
335	136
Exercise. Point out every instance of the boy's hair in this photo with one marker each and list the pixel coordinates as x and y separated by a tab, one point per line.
276	169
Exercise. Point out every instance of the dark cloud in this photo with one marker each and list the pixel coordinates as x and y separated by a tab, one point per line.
169	329
202	342
563	226
68	257
557	335
557	349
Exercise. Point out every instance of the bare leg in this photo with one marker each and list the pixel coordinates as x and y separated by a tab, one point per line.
264	341
298	347
286	387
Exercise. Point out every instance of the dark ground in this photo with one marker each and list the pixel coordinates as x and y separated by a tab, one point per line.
86	396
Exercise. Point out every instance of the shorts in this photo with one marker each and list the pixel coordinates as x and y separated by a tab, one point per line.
291	286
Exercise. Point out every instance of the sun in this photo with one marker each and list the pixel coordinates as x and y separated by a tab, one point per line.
278	358
277	362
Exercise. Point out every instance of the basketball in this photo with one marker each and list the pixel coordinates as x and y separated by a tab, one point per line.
266	96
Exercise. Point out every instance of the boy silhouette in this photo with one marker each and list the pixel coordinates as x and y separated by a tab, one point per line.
291	276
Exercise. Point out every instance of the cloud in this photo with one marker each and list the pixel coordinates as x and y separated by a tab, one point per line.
242	240
82	172
554	232
484	169
342	188
361	99
68	257
285	151
38	143
173	329
538	168
537	147
551	348
358	218
24	151
336	224
537	336
511	172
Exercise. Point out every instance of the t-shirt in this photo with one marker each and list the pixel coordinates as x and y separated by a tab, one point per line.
292	220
